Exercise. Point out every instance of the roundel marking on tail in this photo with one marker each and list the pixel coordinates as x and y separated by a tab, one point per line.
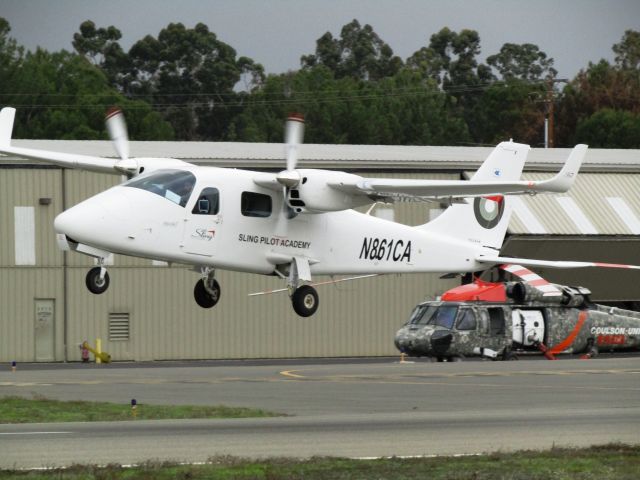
488	210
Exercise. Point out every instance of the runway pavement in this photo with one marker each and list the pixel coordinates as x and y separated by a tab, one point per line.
347	408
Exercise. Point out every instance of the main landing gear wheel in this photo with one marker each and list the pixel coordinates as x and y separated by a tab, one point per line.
206	298
508	355
95	283
305	301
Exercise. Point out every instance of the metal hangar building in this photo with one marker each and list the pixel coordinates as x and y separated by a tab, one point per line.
149	312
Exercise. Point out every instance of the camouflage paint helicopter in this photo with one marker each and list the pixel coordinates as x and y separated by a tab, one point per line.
498	320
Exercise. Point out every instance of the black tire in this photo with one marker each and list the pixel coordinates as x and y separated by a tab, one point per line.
305	301
94	283
509	356
203	297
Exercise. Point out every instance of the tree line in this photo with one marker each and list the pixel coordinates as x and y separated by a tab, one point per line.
187	84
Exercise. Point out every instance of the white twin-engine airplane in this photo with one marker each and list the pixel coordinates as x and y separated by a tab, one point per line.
293	224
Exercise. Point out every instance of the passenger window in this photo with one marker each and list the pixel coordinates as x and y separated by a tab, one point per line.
255	204
207	203
467	320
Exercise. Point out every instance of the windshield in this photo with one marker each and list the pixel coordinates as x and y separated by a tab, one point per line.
421	314
438	316
174	185
444	317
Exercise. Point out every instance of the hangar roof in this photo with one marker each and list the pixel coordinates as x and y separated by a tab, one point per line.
271	155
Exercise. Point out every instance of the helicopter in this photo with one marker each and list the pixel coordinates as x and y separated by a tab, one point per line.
501	320
293	224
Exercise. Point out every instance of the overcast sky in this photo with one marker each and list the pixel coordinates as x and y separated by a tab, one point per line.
277	32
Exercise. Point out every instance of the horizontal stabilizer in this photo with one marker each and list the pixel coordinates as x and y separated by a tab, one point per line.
467	188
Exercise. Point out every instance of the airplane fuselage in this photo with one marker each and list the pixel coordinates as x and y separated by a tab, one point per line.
249	230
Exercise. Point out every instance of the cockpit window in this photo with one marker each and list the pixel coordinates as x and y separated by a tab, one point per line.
421	314
467	320
444	316
207	203
174	185
438	316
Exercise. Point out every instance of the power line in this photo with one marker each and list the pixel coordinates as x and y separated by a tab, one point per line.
300	97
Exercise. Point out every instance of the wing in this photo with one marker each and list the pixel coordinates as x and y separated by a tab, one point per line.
85	162
127	166
382	187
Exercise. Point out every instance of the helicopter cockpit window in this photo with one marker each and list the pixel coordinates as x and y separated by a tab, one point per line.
174	185
421	314
207	203
444	316
255	204
467	320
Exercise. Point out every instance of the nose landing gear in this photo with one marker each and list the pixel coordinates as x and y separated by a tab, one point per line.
207	289
97	280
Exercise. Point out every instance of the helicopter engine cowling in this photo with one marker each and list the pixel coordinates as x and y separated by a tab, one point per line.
314	195
522	292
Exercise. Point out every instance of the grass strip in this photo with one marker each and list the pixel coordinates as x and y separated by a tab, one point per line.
607	462
42	410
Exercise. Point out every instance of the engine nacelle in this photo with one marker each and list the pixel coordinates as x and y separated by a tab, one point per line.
522	292
314	195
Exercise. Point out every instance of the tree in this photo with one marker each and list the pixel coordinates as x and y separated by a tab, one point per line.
358	53
450	59
509	110
609	128
61	95
100	46
401	109
628	51
189	75
11	56
523	62
600	86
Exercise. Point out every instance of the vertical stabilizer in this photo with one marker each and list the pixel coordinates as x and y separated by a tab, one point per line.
484	220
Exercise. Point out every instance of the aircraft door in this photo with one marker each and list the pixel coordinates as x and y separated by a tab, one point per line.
202	223
528	327
492	328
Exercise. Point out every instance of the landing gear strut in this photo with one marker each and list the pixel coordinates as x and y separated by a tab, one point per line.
207	289
304	298
97	280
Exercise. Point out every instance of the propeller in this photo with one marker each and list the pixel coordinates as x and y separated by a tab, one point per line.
117	129
294	132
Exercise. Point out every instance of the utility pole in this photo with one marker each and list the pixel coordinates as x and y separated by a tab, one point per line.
550	104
